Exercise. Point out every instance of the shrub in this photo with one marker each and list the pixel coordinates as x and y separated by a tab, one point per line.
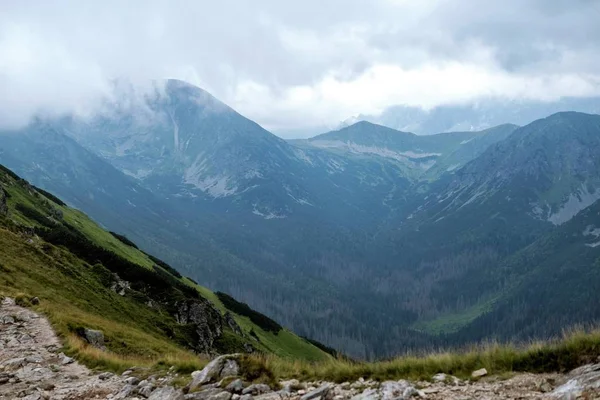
22	300
255	369
33	214
164	265
50	196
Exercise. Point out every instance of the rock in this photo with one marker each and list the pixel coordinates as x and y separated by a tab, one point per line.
166	393
47	386
256	389
579	382
268	396
479	373
320	392
209	394
94	338
127	373
64	360
389	390
232	324
145	390
124	393
206	318
132	380
444	378
15	363
545	387
214	371
291	385
231	368
105	375
235	387
35	301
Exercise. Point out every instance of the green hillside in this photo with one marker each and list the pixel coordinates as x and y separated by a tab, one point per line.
86	277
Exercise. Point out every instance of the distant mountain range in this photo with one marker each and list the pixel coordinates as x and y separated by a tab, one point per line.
369	239
474	116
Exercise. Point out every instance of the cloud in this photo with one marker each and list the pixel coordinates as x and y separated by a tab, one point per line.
297	64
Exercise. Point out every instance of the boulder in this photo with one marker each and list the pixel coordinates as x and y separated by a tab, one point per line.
479	373
94	338
166	393
214	371
583	381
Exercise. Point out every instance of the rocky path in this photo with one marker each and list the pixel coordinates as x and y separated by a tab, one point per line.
32	368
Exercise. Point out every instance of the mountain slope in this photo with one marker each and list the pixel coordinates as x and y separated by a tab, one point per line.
86	277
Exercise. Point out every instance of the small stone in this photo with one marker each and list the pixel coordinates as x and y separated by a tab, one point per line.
105	375
127	373
47	386
479	373
235	387
64	360
35	301
256	389
132	380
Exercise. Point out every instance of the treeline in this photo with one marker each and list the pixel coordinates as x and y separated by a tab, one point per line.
239	308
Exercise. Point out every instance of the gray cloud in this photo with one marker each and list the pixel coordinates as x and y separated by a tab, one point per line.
297	64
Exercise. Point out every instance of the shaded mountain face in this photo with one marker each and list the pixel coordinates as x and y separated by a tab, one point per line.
369	239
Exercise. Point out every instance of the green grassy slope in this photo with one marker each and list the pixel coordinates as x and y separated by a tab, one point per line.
75	293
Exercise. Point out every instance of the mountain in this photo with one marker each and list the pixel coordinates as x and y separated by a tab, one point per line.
475	116
85	278
371	240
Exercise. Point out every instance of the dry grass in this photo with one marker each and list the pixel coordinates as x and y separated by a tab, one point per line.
577	347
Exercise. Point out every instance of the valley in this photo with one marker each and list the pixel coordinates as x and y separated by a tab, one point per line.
370	240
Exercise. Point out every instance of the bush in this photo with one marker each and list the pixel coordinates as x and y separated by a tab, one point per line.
244	309
164	265
33	214
22	300
50	196
255	369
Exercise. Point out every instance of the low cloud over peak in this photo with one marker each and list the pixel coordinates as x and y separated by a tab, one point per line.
296	65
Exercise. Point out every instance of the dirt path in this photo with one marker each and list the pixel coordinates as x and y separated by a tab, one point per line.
31	368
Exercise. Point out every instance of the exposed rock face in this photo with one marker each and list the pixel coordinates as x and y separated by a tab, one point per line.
232	324
207	319
3	206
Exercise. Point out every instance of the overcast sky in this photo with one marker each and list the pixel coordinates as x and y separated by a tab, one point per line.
298	64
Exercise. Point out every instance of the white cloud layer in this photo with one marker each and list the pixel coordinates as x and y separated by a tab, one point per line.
302	64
